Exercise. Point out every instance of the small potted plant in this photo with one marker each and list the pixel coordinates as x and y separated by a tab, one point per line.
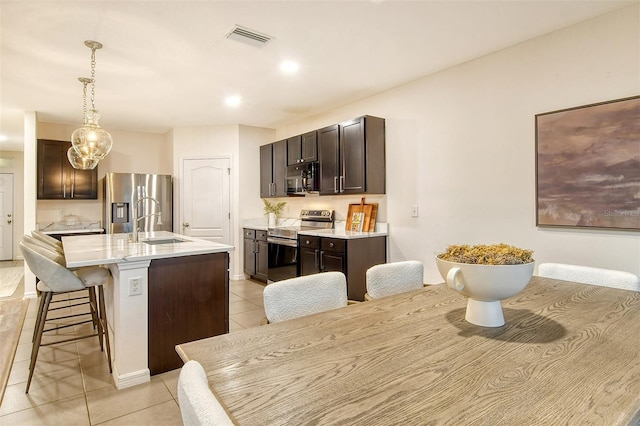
273	210
486	274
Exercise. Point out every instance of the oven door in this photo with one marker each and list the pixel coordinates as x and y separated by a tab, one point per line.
283	259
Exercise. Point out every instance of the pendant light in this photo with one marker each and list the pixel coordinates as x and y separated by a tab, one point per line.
91	142
74	158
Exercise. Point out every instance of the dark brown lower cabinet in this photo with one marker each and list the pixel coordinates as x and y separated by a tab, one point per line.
352	257
188	300
256	254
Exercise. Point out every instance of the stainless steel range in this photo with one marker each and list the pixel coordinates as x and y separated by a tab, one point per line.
283	243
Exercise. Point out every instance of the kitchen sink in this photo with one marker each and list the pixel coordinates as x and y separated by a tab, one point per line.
165	241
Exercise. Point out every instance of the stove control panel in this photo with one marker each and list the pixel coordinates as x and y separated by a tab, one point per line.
317	215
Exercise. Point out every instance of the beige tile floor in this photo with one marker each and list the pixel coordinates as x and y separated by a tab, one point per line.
72	384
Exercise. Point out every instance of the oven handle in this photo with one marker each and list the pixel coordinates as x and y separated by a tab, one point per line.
282	242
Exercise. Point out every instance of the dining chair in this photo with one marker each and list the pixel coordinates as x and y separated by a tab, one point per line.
304	295
388	279
590	275
47	239
198	405
56	279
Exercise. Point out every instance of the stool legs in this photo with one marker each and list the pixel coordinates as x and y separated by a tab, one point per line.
103	322
99	319
46	300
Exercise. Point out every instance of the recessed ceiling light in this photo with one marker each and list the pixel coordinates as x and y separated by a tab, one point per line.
289	67
233	101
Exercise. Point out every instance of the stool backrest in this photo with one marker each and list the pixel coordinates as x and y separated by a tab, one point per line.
55	276
47	239
44	249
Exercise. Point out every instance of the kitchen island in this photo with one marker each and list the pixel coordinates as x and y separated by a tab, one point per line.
166	289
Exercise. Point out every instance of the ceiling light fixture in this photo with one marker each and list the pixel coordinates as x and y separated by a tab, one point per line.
91	142
75	159
233	101
289	67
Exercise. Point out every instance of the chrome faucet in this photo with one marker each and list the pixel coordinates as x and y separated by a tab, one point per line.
137	218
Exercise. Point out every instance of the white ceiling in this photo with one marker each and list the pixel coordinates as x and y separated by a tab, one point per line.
168	64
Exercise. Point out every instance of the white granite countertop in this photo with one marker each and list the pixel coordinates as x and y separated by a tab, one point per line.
340	232
76	228
382	229
102	249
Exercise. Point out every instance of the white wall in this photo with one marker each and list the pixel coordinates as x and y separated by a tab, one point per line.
461	144
240	143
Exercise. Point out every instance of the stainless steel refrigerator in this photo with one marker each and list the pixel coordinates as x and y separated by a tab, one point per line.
150	197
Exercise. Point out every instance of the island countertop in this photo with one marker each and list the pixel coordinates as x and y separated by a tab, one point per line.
103	249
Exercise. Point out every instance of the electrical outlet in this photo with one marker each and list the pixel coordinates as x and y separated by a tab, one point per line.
414	211
135	286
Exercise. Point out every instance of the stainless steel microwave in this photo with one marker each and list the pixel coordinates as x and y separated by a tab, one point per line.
302	179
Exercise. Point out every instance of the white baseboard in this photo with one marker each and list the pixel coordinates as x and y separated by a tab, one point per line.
130	379
30	295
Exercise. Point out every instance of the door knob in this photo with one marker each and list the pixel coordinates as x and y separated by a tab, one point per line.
185	224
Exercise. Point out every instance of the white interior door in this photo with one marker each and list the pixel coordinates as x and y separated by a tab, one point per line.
6	220
205	200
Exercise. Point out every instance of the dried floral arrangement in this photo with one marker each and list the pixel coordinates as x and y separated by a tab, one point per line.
275	208
493	254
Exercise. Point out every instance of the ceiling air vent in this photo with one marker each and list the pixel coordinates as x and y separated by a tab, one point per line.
251	37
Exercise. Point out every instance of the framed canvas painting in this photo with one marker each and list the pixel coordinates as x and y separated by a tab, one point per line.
588	166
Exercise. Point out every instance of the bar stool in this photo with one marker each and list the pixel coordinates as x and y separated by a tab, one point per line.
56	279
48	251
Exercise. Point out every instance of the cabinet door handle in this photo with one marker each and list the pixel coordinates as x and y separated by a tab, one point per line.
256	247
341	183
335	184
316	255
72	188
64	190
321	260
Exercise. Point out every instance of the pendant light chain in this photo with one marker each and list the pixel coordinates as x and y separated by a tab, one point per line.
93	78
90	143
84	99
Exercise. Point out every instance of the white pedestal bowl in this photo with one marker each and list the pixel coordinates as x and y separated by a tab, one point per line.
485	286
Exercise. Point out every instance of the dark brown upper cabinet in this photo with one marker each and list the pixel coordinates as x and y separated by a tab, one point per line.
351	157
57	179
302	149
273	165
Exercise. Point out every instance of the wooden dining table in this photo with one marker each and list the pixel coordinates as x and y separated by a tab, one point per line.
568	354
